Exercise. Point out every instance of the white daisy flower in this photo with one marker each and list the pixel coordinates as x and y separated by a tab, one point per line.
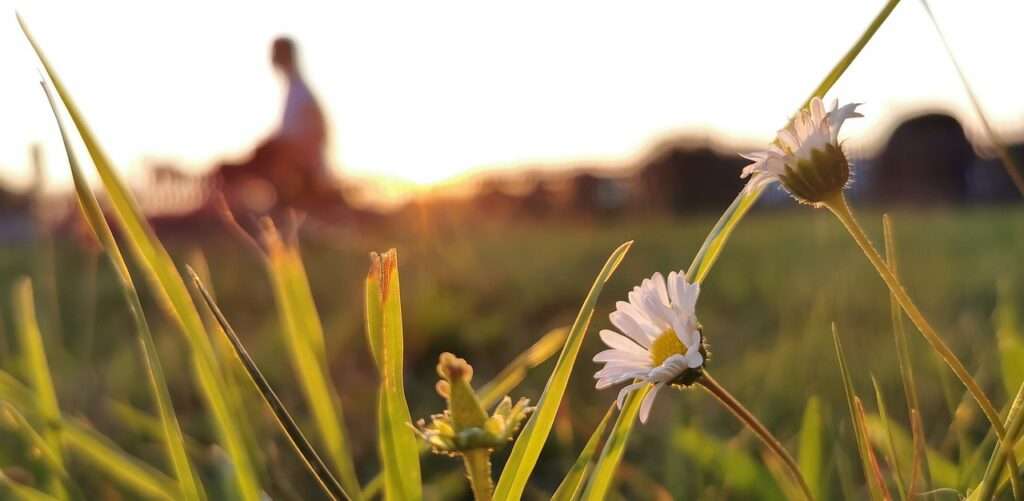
806	157
659	339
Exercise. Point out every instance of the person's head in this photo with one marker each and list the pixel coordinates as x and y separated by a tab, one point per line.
282	54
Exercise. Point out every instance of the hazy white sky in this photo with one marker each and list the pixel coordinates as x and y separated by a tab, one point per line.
423	92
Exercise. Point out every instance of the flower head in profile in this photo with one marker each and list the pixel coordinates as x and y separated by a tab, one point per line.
465	425
659	339
807	157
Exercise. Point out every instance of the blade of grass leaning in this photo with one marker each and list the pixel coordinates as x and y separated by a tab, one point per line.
1012	167
571	486
123	468
14	491
40	381
79	440
855	417
291	430
811	452
14	421
502	384
875	476
169	287
714	243
528	446
890	451
304	338
172	436
600	481
919	475
399	448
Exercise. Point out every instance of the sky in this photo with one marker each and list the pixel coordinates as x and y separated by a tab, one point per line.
420	93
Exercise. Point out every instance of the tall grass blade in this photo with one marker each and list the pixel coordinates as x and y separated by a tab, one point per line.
875	476
78	439
169	287
527	449
855	416
919	475
572	485
304	338
399	448
811	452
600	481
1011	165
890	451
40	381
302	446
172	436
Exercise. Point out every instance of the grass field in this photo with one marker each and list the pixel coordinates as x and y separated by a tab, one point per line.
487	292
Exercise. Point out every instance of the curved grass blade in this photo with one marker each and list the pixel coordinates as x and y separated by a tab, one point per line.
171	436
399	448
1012	167
302	446
530	442
304	338
169	287
572	485
38	372
127	470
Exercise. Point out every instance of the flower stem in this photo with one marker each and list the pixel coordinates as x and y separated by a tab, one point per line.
751	421
478	470
842	211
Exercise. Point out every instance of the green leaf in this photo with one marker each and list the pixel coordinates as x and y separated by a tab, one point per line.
572	485
399	448
600	481
171	436
168	286
811	452
304	338
527	449
38	373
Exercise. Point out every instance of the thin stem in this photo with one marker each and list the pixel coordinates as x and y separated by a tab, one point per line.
994	470
842	211
751	421
478	471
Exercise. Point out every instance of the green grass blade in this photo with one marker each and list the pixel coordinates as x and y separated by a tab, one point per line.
726	224
302	446
811	452
572	485
399	448
515	371
169	287
14	491
729	463
125	469
874	471
890	451
600	481
38	372
919	475
172	436
1011	165
304	338
527	448
852	401
944	472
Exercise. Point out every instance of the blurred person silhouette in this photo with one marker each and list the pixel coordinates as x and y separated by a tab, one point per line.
287	169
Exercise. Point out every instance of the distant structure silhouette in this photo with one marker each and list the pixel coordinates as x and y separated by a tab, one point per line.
288	169
926	161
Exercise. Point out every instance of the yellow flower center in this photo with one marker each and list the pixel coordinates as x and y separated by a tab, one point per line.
666	345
